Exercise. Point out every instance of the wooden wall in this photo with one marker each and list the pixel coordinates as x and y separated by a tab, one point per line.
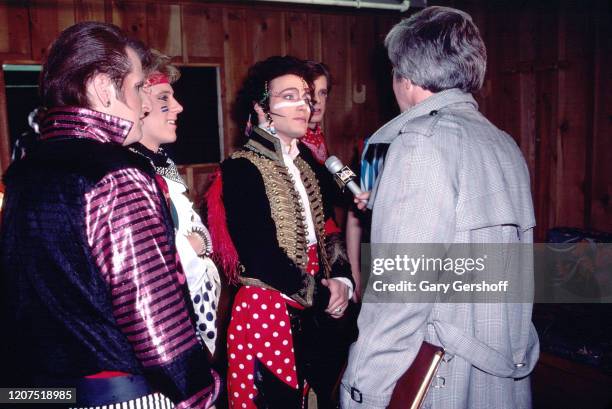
548	82
232	36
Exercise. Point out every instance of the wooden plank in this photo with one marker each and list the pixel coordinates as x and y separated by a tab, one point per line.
386	105
266	35
131	16
337	123
297	35
315	44
49	18
601	149
164	28
574	99
14	31
238	57
527	88
204	35
545	191
89	10
362	86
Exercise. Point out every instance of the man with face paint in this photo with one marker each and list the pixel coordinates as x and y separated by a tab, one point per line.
193	241
93	294
272	229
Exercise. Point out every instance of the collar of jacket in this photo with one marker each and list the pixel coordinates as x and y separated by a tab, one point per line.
262	142
83	123
388	132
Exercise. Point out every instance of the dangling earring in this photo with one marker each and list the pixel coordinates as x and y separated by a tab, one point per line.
249	127
271	127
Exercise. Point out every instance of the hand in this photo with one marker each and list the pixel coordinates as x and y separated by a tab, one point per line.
361	200
338	300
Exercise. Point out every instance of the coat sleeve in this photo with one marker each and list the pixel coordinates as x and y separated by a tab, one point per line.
252	229
129	242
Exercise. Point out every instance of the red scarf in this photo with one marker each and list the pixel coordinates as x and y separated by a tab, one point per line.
315	141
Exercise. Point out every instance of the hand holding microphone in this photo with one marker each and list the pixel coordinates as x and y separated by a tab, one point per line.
345	177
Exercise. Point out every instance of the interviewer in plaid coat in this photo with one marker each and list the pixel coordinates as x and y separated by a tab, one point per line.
450	176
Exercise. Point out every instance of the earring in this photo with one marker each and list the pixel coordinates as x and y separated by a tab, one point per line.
271	127
107	103
249	127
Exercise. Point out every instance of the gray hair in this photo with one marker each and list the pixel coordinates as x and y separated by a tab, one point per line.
438	48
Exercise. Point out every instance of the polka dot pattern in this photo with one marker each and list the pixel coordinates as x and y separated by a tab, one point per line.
256	332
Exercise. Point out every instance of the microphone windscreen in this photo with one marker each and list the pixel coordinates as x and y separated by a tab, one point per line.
333	164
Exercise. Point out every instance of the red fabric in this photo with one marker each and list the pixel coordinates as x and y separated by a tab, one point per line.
315	141
260	329
224	251
157	78
107	374
331	227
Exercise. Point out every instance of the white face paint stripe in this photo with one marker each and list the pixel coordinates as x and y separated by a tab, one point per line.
289	104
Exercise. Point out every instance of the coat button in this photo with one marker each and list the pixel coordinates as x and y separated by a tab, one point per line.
433	113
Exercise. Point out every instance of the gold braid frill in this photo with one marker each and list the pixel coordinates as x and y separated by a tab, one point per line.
286	206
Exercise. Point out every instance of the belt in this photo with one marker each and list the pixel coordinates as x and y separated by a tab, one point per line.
104	391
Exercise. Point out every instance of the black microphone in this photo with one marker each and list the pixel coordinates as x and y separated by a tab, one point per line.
344	176
274	113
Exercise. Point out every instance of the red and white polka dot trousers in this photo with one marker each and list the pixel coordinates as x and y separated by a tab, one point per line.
260	329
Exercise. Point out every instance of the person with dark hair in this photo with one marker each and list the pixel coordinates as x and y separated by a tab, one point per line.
93	293
193	241
314	139
451	185
272	229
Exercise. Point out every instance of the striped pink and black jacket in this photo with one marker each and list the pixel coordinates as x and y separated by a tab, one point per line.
88	247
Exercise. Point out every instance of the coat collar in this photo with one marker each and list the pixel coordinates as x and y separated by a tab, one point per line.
388	132
83	123
266	144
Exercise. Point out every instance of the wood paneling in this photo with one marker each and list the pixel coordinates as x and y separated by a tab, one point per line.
48	19
237	57
548	79
14	30
265	33
164	28
203	34
90	10
131	16
298	36
601	150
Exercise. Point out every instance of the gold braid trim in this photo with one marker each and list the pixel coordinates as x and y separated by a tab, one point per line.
286	207
309	179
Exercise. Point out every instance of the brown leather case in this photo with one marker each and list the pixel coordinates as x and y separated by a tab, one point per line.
412	386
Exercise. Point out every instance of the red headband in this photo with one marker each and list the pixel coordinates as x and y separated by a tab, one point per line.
157	78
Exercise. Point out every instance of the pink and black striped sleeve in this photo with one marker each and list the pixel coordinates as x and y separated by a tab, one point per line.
129	244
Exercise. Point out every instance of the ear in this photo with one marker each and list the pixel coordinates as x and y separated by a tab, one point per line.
261	115
100	91
258	109
406	84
